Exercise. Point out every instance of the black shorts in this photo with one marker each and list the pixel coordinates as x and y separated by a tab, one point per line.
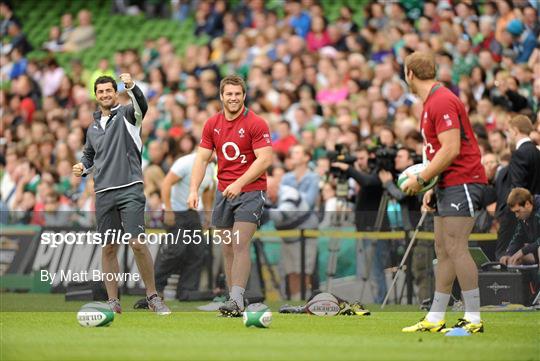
121	209
246	207
459	201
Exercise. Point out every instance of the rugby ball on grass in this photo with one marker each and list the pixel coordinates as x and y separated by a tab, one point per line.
95	314
416	170
257	315
324	304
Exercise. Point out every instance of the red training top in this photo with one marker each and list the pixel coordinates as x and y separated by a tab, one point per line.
235	142
443	111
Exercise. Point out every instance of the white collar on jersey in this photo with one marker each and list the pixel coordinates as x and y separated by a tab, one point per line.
524	140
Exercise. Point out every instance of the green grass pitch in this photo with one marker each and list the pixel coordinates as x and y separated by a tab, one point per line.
190	335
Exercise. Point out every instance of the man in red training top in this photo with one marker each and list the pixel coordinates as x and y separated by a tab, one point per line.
453	154
243	146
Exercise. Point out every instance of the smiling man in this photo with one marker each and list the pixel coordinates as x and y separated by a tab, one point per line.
243	146
113	152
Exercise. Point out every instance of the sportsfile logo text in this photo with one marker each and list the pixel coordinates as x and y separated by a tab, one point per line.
112	236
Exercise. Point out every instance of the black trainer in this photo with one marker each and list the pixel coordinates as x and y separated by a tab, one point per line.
230	309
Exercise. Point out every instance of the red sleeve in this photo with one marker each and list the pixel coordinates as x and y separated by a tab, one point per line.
260	134
207	140
445	115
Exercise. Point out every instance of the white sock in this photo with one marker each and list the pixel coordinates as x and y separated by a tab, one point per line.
472	305
438	307
237	294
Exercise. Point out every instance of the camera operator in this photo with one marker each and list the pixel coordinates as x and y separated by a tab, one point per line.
405	158
367	203
403	213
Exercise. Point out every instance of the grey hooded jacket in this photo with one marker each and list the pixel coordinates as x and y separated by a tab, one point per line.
115	153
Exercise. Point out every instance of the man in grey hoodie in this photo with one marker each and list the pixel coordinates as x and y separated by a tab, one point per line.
113	151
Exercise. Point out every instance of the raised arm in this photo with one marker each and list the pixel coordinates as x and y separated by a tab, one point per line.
139	106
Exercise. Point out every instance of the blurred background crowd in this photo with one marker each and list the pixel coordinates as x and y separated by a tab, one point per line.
317	81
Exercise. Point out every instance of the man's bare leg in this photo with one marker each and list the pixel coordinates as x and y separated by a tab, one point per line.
457	231
145	264
241	266
109	264
445	275
228	256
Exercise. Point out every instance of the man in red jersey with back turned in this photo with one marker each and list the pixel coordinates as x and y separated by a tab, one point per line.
243	146
453	154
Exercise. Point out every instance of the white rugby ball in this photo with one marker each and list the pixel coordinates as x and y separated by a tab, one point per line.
416	170
323	304
95	314
257	315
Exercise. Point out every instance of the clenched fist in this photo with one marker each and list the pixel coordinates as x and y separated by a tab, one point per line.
78	169
126	79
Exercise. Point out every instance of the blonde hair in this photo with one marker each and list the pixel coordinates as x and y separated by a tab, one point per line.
422	65
519	196
522	123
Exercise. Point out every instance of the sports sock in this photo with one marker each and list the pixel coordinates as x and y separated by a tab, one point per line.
438	307
237	294
148	298
472	305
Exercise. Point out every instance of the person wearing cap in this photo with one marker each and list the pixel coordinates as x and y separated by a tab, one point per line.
523	40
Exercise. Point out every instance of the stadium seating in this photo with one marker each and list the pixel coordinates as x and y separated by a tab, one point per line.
113	32
117	32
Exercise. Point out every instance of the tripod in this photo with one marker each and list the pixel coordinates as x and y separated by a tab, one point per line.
337	220
262	258
405	256
383	203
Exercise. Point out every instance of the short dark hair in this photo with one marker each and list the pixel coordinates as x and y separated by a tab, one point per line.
500	132
305	150
232	80
362	148
286	122
103	80
414	135
411	153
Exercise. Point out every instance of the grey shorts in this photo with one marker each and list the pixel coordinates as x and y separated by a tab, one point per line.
247	207
121	209
459	201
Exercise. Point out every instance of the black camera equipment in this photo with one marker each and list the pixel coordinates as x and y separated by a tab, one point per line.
340	155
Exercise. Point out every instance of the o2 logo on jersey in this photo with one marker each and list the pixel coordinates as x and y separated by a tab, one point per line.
236	150
428	147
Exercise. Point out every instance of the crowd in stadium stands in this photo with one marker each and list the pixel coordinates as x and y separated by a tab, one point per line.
317	82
